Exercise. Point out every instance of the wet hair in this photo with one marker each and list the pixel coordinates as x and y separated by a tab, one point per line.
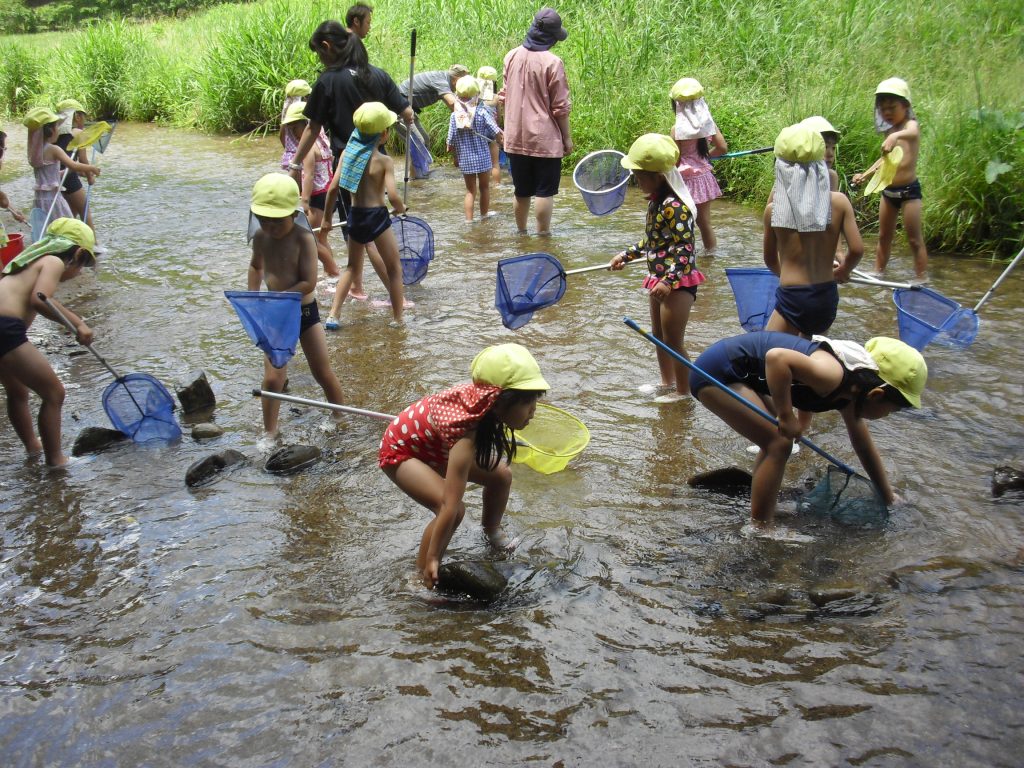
359	11
494	440
863	380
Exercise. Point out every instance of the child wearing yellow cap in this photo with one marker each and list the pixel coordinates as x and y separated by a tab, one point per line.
59	255
862	383
462	435
46	159
368	174
698	139
802	225
284	256
72	114
671	258
894	116
472	130
487	79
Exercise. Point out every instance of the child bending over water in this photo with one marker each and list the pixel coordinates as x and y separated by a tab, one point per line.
465	434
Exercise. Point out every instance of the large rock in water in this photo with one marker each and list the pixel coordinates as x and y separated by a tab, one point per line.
477	578
205	470
731	481
95	439
1006	479
198	395
292	458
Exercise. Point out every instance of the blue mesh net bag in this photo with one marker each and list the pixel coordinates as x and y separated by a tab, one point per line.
141	407
415	247
271	319
419	155
601	180
960	329
848	499
526	284
754	289
921	313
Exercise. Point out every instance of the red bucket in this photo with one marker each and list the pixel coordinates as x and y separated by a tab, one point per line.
15	245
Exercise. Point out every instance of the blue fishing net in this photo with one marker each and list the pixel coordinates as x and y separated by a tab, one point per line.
601	180
419	155
921	313
848	499
142	408
526	284
271	319
415	247
960	329
754	289
503	159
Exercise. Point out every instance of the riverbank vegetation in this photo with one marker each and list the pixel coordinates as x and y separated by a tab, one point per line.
764	64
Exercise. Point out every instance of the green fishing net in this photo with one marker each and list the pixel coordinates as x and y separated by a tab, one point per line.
848	499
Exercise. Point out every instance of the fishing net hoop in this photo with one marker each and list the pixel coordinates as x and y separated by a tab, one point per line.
602	180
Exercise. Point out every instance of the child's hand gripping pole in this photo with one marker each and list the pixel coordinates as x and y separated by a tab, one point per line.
68	324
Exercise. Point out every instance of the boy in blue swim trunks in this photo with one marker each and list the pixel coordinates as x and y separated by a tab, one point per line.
802	226
369	174
58	256
894	116
284	256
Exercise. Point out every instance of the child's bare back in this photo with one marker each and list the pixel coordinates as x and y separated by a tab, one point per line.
378	180
806	258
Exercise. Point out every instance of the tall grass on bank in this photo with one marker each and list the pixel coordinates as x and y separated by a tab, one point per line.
764	64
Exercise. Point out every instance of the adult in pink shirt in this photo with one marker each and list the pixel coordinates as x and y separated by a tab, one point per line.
536	96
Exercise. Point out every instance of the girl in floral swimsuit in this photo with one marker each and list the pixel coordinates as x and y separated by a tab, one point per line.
668	247
437	445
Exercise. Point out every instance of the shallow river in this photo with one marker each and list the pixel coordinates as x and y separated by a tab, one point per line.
276	621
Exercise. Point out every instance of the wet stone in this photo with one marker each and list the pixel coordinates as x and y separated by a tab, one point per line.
292	458
198	395
206	431
478	579
1007	480
823	597
205	470
731	481
95	439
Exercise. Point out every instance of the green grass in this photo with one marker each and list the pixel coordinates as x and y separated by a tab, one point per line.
764	64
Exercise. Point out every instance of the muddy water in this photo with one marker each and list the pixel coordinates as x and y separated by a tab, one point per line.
274	621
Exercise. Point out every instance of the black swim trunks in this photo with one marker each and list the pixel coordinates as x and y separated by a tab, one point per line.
897	196
13	333
310	316
811	309
366	224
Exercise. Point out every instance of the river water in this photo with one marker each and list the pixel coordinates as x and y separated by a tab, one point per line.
264	620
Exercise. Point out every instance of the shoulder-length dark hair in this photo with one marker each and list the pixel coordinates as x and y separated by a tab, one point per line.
494	440
347	50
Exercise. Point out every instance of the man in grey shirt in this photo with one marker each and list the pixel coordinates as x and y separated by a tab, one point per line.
430	88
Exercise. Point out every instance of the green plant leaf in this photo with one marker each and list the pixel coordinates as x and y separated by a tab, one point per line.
995	168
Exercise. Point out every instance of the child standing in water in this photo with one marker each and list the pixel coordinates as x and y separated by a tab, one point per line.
699	140
471	132
58	256
46	158
284	256
487	78
894	116
316	178
369	174
465	434
862	383
668	247
802	226
72	115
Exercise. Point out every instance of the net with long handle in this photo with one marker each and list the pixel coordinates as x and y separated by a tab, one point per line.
921	314
526	284
754	289
141	407
271	319
551	440
415	247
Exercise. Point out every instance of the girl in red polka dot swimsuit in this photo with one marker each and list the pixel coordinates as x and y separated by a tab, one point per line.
439	444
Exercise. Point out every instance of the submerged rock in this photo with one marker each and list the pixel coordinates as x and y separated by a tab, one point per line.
204	470
196	396
732	481
1007	479
206	430
479	579
292	458
95	439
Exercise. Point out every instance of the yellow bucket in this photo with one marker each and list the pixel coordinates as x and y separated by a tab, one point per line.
551	440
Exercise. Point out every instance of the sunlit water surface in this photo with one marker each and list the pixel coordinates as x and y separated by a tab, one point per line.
275	621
